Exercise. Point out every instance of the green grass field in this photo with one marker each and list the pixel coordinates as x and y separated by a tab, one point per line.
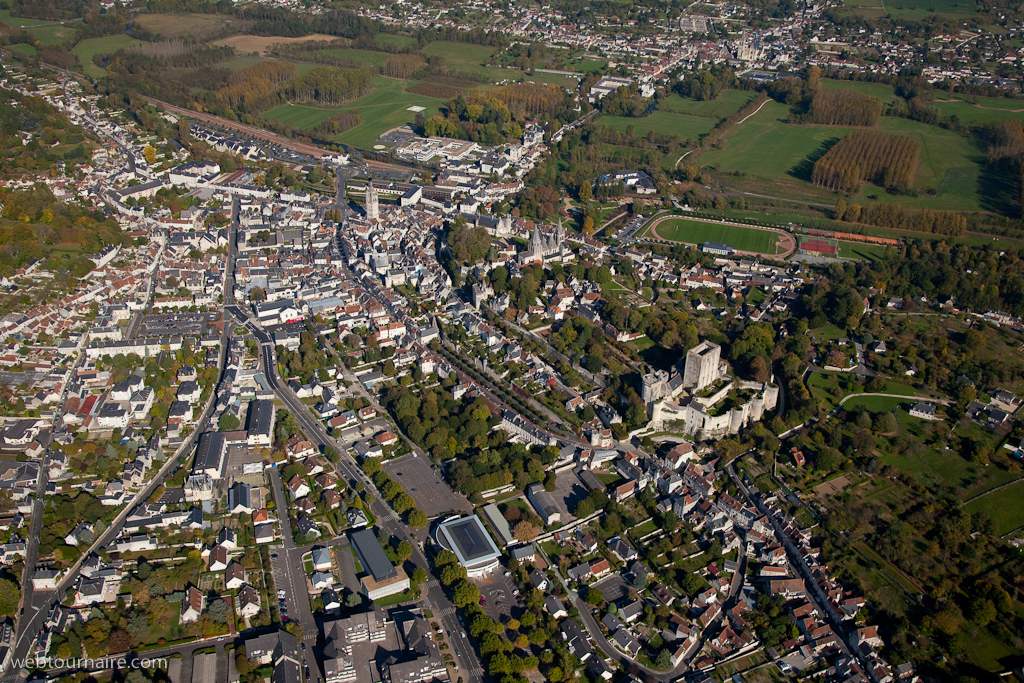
395	39
879	90
106	45
462	56
783	150
22	48
729	102
381	110
966	111
664	122
18	22
364	57
863	252
698	232
1003	507
52	35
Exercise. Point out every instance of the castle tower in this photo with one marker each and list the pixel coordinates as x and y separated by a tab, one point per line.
372	210
701	365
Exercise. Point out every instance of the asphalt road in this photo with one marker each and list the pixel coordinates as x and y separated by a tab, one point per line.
435	600
290	576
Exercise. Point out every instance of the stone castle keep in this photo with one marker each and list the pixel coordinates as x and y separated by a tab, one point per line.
674	397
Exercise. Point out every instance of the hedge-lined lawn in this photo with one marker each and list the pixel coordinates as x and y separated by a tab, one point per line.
728	103
698	232
1003	507
863	252
664	122
86	49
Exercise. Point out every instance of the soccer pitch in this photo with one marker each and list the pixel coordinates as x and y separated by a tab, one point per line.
699	232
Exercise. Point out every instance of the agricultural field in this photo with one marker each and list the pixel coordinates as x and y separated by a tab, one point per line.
396	39
189	24
698	232
261	44
783	150
381	110
19	22
367	58
728	103
24	49
919	9
86	49
664	122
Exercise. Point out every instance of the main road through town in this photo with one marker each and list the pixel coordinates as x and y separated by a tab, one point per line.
435	600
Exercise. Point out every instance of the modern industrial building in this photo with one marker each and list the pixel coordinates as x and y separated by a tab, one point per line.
472	545
385	578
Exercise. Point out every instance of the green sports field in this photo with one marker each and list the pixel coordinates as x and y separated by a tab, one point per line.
699	232
363	57
106	45
463	56
664	122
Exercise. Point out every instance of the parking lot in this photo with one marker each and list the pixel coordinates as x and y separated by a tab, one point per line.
424	484
499	594
614	588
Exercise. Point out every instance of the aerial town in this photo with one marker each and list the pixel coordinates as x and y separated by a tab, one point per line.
474	406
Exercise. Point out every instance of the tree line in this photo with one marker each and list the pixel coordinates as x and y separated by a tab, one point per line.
882	158
844	108
328	86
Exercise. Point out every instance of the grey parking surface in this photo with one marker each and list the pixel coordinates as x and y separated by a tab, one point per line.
614	588
424	484
499	607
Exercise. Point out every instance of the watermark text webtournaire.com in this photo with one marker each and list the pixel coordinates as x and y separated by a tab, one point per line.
90	664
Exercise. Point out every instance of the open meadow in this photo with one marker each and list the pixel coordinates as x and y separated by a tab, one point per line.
664	122
89	47
386	107
768	145
191	25
728	103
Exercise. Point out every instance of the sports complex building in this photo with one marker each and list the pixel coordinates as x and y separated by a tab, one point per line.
472	545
